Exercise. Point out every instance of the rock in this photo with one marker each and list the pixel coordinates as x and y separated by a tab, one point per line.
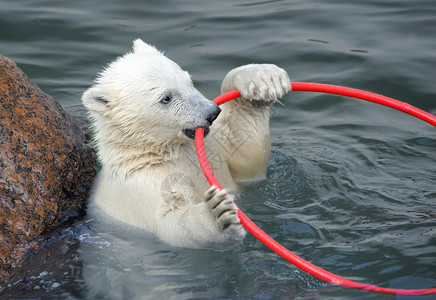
46	167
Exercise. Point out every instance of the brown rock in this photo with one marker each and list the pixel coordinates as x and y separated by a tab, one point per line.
45	165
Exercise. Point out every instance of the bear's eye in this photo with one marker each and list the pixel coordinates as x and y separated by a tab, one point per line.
101	100
165	99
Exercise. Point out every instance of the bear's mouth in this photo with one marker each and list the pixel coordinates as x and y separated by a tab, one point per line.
190	133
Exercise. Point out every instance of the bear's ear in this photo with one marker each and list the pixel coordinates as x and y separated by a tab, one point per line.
96	99
140	47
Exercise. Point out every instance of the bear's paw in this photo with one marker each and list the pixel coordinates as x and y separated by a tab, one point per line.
260	83
224	209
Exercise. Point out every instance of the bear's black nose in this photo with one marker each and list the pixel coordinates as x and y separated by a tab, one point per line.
213	115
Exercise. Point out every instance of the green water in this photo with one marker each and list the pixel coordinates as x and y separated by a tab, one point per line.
351	185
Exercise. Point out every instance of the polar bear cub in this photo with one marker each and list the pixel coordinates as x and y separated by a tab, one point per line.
144	111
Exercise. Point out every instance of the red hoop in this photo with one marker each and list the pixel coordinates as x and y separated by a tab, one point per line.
270	242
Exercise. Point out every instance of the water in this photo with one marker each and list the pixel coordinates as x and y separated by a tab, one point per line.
351	185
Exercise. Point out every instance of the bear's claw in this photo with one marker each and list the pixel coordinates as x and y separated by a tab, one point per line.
224	209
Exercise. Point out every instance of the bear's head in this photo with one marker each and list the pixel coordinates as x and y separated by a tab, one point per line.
143	99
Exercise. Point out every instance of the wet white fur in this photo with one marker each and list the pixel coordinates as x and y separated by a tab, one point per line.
150	176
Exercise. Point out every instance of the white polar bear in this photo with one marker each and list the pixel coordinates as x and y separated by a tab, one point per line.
144	110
